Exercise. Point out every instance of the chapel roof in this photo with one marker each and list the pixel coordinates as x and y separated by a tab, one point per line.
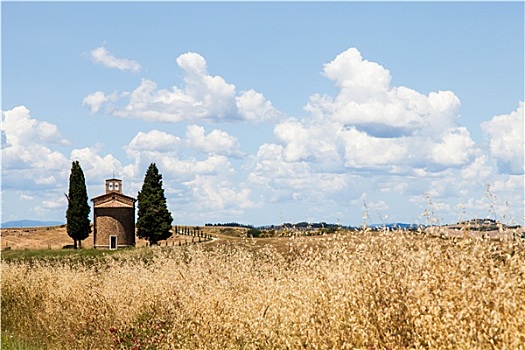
113	200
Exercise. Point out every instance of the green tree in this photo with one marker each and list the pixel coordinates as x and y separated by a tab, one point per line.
154	219
77	213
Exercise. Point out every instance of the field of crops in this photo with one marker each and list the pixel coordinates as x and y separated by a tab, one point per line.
386	290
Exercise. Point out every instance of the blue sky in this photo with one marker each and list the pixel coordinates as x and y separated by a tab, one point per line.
264	113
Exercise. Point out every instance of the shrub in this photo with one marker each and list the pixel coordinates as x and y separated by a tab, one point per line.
253	232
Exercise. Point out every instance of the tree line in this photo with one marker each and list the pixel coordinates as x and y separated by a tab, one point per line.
229	224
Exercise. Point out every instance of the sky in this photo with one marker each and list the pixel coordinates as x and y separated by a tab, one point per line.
268	112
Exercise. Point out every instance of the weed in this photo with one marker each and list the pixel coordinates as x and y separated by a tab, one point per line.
353	289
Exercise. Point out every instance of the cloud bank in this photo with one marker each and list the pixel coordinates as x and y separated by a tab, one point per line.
201	97
506	140
369	141
370	125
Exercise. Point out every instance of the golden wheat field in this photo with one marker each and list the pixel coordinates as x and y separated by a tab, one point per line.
350	290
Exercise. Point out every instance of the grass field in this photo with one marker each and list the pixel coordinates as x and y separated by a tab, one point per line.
55	237
352	290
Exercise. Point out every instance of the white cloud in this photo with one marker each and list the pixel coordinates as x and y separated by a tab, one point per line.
295	138
20	128
501	198
94	101
211	93
252	106
51	204
154	140
96	168
45	180
26	197
188	168
506	133
389	142
368	130
219	194
54	204
369	124
216	142
454	149
33	174
28	158
362	150
366	101
281	179
173	155
477	171
356	78
102	56
197	173
202	97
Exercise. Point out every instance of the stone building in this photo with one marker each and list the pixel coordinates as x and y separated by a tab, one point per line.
113	218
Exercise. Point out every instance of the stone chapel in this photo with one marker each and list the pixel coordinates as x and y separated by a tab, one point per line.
113	218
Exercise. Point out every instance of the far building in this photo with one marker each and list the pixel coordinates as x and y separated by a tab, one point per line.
113	218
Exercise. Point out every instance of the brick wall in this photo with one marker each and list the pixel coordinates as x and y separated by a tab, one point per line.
118	222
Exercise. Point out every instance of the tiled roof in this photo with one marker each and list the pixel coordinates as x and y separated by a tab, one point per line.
113	200
113	194
113	204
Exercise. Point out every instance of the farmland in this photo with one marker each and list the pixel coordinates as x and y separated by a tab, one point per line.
347	290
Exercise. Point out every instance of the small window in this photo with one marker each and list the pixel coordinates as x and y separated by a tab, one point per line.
116	186
110	185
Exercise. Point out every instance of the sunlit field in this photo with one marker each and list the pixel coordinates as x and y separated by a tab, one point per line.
349	290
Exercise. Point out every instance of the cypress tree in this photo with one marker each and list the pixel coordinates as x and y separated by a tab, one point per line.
77	213
153	218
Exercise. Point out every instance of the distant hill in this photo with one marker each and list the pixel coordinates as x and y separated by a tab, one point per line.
30	223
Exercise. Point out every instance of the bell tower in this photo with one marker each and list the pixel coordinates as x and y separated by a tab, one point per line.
113	185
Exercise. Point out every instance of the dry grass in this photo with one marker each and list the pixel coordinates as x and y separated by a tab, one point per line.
353	290
52	237
56	237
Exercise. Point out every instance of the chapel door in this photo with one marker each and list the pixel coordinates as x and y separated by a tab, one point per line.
112	242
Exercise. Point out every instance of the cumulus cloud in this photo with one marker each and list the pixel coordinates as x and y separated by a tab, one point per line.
30	164
196	170
94	101
368	128
96	168
216	142
364	151
154	140
252	106
219	194
370	124
368	139
506	134
102	56
357	78
477	171
281	179
29	142
20	128
202	97
366	101
454	149
171	153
